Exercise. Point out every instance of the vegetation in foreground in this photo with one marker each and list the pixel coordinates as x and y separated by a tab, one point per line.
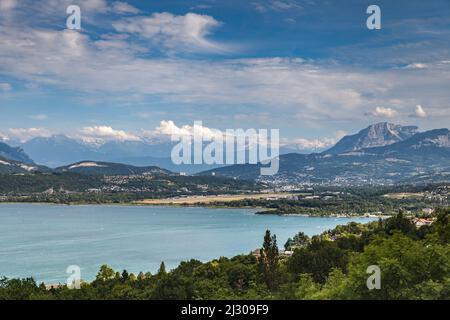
414	264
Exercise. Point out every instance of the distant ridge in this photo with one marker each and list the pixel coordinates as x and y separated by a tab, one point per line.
8	166
14	153
109	168
381	154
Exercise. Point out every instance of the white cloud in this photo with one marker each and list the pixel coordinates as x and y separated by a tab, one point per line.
114	69
105	133
316	144
94	5
99	135
5	86
186	32
25	134
416	66
284	5
7	4
382	112
419	112
169	128
276	5
313	144
125	8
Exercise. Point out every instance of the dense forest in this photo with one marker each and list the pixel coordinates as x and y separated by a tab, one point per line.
414	264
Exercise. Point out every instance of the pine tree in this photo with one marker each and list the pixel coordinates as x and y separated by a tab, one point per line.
162	269
269	256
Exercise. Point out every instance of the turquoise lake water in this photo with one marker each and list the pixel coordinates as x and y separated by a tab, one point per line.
43	240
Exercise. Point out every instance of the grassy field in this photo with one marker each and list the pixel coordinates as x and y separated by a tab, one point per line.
212	199
404	195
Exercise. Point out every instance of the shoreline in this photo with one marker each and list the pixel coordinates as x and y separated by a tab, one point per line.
205	206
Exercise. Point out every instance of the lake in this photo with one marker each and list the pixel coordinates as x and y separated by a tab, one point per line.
42	240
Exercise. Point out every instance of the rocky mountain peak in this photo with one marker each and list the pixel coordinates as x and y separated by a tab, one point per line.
376	135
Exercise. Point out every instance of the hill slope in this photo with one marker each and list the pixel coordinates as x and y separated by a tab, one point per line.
14	153
8	166
108	168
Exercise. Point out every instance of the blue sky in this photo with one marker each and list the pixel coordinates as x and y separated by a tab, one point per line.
310	68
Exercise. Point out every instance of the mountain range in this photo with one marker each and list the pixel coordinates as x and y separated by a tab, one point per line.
59	150
382	153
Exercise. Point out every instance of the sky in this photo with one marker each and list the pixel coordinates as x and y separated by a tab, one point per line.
310	68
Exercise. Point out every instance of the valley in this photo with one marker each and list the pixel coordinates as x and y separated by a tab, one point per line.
381	170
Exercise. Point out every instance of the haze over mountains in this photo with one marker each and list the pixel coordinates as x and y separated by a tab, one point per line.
60	150
383	153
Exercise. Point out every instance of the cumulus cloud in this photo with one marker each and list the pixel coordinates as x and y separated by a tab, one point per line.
105	133
420	112
25	134
124	8
169	128
313	144
187	32
382	112
276	5
416	66
94	5
316	144
7	4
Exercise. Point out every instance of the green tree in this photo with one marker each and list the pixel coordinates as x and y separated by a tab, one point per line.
410	269
306	287
318	259
105	273
125	275
442	226
268	261
299	240
400	223
162	269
